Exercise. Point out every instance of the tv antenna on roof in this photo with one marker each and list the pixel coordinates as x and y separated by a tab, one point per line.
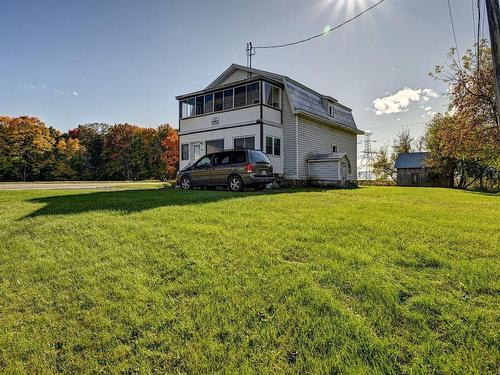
250	51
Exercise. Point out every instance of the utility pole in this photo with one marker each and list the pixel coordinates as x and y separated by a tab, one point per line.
250	51
494	23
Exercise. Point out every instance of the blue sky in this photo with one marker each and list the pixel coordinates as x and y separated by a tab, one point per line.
73	62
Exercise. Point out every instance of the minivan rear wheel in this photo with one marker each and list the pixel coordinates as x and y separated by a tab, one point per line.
235	183
186	183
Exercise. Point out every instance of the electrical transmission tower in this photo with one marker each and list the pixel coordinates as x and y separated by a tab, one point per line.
367	157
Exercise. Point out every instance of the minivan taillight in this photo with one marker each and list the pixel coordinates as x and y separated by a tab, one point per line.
249	168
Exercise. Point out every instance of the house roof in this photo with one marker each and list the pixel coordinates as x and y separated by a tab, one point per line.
412	160
303	100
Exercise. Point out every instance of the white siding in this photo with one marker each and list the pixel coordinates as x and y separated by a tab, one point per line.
229	118
271	115
227	134
316	138
289	140
238	75
276	161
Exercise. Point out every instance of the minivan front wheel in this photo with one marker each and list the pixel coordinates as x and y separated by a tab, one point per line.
235	183
186	183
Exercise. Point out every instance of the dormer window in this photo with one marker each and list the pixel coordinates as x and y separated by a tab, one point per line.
331	109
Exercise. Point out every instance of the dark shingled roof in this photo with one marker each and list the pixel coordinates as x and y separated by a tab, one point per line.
411	160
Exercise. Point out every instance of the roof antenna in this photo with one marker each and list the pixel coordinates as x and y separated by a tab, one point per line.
250	51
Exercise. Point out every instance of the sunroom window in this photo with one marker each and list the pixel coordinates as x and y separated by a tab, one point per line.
218	101
272	95
228	99
209	103
240	96
199	105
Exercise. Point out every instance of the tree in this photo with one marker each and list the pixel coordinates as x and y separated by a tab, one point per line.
468	138
25	147
170	154
91	137
383	165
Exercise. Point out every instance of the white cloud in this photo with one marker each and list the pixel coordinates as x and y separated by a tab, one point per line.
398	119
42	85
427	109
57	91
400	101
75	93
32	86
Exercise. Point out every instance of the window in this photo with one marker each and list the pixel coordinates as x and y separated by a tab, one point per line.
228	99
269	145
209	103
277	146
218	101
240	96
222	158
238	157
272	95
334	148
259	157
331	109
214	146
253	93
199	105
244	143
204	162
185	151
273	146
187	108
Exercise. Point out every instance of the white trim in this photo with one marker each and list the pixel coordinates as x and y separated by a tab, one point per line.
297	147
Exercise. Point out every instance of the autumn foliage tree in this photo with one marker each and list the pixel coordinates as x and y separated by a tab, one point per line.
31	151
466	140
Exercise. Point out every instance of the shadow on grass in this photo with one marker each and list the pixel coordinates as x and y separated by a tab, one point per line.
130	201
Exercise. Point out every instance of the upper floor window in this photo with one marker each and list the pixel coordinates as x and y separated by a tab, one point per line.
272	95
334	148
209	103
237	97
218	101
331	109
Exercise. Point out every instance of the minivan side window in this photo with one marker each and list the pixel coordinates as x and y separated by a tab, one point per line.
204	162
222	158
238	157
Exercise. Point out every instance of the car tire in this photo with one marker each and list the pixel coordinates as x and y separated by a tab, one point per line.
235	183
186	183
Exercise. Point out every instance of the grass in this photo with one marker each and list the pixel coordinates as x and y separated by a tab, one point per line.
369	280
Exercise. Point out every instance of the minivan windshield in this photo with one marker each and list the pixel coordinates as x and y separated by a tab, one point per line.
259	157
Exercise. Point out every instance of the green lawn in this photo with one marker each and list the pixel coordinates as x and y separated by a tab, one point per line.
368	280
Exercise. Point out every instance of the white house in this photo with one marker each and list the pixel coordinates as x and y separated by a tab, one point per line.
307	135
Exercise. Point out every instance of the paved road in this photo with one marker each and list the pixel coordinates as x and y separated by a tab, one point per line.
75	185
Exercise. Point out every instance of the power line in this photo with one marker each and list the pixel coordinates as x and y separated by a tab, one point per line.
454	34
323	33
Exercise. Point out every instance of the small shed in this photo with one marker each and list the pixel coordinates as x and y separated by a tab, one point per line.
329	169
413	170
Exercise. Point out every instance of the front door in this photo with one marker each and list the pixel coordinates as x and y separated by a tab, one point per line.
196	151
